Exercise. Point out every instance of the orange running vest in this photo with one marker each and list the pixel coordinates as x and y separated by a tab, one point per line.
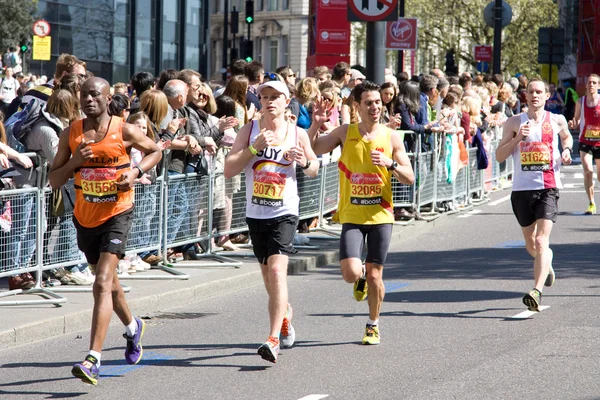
97	199
365	189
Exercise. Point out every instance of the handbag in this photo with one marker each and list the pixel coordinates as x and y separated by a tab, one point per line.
201	167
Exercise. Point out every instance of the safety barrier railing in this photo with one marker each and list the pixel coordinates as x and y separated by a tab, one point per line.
21	237
189	209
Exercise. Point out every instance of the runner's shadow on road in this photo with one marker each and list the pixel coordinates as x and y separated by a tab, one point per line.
469	314
448	296
4	394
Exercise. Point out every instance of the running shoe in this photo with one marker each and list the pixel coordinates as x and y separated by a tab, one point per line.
134	350
591	209
269	349
361	287
533	300
87	370
287	335
371	335
550	278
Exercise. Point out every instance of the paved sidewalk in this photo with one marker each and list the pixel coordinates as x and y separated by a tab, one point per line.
24	324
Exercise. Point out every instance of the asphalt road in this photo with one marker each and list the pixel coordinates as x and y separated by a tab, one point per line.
452	325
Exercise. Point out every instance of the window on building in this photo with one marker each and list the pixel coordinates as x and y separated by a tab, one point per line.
283	51
193	18
272	5
145	44
273	53
171	35
285	4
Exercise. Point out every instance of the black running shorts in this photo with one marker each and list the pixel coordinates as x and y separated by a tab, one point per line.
378	242
110	237
531	205
272	236
593	150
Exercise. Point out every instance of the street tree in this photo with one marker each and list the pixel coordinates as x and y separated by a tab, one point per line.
459	24
16	20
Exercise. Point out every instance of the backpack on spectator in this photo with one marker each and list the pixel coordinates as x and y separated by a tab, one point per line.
20	124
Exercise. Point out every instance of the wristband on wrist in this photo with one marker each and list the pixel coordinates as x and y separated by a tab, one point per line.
252	150
141	171
570	149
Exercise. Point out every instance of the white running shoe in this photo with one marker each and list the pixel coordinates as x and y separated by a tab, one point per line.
123	267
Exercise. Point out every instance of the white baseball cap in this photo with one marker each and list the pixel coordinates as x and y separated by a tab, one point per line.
277	85
356	74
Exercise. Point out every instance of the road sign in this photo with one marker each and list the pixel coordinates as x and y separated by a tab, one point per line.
483	52
483	66
41	28
372	10
551	46
42	48
489	14
401	34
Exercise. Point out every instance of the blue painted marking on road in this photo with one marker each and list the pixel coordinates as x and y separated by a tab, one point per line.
393	286
149	358
511	244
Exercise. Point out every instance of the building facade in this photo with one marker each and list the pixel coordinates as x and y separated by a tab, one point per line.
279	33
117	38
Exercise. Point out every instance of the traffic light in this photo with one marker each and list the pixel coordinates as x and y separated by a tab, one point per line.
249	11
24	48
248	50
235	21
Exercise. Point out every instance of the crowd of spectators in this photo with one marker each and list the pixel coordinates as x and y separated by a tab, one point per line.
195	120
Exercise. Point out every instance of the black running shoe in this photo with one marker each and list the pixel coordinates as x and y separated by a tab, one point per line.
533	300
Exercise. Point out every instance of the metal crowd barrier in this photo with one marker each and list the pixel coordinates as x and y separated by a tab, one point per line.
189	209
21	240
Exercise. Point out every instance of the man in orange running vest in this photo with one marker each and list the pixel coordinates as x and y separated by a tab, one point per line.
96	151
371	154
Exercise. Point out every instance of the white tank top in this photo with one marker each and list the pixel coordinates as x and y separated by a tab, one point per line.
271	189
537	159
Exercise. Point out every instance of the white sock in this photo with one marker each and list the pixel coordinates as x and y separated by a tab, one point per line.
131	329
373	322
96	355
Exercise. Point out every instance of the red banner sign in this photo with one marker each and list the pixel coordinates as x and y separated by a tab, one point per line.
483	53
401	34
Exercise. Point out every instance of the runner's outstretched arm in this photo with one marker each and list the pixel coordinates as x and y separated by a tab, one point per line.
64	165
565	137
326	143
134	137
240	155
510	138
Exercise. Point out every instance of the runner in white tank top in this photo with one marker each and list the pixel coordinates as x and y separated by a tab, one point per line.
269	150
587	118
532	139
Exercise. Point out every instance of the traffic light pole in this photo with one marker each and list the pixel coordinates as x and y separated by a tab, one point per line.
497	37
225	39
400	67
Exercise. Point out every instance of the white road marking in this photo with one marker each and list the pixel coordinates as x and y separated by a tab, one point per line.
315	397
579	175
527	314
502	200
572	191
469	214
573	185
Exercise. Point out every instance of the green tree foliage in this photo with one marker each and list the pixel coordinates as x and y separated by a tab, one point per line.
459	24
16	20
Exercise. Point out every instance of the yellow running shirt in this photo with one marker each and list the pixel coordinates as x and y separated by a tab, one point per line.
365	189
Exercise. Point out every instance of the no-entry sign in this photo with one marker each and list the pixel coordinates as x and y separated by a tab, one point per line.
401	34
372	10
483	53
